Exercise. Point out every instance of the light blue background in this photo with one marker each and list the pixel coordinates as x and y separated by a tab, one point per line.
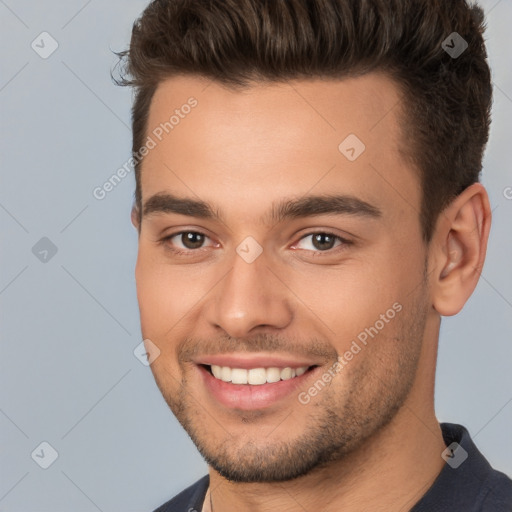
69	326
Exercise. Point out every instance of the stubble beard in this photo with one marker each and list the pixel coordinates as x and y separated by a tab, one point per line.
336	423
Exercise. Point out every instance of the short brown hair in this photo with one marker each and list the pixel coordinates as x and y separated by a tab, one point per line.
446	100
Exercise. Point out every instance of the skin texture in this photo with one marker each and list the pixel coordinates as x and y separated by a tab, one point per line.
369	439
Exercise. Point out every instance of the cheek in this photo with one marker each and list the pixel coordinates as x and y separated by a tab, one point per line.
168	295
158	303
161	309
363	295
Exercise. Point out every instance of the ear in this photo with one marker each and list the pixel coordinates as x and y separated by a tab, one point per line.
135	216
458	248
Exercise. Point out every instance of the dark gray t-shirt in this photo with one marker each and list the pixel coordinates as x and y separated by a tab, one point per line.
468	486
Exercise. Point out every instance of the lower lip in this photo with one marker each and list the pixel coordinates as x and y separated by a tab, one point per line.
249	397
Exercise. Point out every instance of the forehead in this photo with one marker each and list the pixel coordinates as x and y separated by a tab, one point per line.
241	148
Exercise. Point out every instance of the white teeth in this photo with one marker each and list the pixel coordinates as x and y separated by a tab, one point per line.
256	376
287	373
238	376
217	371
225	374
273	374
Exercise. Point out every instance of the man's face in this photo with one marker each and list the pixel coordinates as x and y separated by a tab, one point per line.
301	257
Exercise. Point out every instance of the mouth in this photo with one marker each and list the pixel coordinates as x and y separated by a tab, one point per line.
256	376
255	383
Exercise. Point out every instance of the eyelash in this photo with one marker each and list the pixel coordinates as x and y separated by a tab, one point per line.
188	252
181	252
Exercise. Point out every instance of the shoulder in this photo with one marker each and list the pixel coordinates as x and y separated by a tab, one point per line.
467	481
497	495
189	500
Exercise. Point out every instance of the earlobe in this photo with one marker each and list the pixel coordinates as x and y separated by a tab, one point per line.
458	249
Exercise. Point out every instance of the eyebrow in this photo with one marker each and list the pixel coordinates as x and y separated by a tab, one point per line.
307	206
168	203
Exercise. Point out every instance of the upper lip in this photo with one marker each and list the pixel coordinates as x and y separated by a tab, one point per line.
248	361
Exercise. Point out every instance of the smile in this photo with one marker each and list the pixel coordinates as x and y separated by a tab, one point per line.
256	376
252	382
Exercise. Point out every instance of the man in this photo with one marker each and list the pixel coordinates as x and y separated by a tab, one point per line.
308	208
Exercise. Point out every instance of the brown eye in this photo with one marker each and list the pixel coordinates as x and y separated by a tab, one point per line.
323	241
187	241
192	240
320	241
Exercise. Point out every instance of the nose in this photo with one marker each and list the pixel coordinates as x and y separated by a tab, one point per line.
250	298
